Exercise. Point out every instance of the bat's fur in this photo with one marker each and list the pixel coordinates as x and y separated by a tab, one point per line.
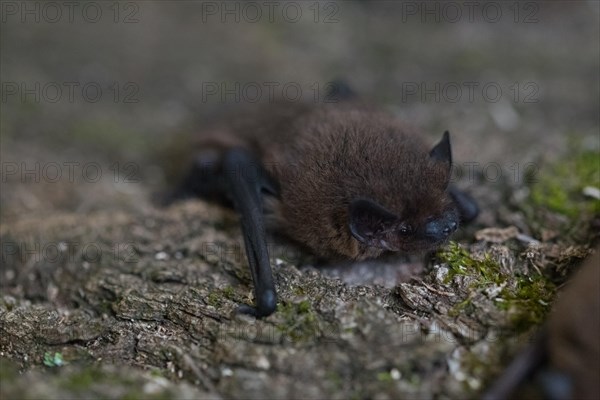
324	157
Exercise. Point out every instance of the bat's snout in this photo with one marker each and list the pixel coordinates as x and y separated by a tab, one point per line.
439	229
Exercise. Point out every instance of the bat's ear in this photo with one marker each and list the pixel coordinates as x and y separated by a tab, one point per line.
367	219
442	151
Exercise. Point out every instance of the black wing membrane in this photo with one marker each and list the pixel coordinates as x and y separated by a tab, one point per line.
466	205
245	179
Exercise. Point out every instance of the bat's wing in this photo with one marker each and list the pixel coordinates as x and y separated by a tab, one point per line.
245	179
203	179
466	205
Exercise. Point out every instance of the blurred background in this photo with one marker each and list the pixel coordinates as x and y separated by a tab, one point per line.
97	97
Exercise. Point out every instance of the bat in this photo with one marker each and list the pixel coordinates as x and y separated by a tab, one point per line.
342	178
565	358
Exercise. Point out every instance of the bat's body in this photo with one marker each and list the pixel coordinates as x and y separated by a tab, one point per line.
343	179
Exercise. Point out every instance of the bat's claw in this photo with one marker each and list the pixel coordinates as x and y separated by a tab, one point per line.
266	306
245	309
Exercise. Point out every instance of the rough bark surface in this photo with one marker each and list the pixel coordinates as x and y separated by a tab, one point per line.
157	291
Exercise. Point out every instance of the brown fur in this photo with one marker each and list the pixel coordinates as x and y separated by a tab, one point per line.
324	157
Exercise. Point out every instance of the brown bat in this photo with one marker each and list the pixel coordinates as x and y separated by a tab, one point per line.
565	358
341	178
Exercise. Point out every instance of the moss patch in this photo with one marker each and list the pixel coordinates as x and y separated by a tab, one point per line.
525	297
216	297
459	260
298	321
559	187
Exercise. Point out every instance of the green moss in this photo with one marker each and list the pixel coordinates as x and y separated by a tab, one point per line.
528	301
304	307
299	291
460	262
228	292
215	298
559	187
299	321
525	298
463	306
53	360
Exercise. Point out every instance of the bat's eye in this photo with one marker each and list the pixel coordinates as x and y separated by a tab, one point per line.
405	229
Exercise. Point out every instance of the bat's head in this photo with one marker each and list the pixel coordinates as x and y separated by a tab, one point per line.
421	217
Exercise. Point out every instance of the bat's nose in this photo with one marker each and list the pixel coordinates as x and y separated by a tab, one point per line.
440	229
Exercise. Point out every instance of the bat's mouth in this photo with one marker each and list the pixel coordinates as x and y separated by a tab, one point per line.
435	233
416	246
385	245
